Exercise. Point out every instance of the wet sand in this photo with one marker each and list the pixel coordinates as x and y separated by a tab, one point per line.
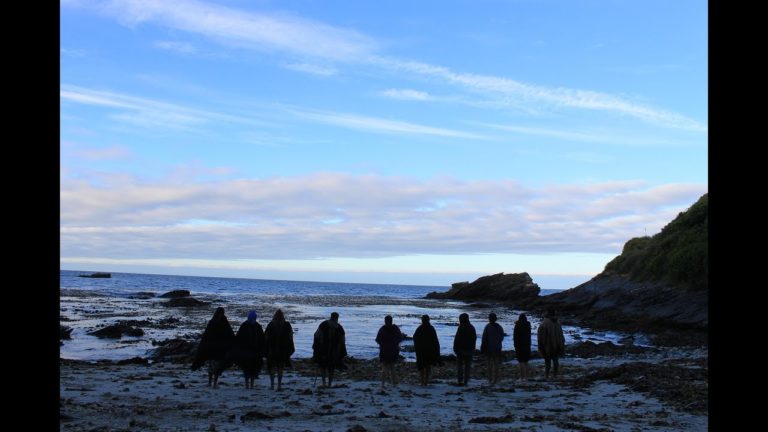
654	390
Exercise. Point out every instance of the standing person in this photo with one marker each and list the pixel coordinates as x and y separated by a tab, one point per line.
214	347
493	334
389	338
329	347
427	348
551	342
279	338
522	342
464	347
250	348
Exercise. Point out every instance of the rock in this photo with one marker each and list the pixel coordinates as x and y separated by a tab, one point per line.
64	332
174	350
657	284
175	294
116	331
143	295
185	302
499	287
96	275
357	428
590	349
133	360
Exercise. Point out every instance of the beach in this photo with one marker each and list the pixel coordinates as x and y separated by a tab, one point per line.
143	381
658	389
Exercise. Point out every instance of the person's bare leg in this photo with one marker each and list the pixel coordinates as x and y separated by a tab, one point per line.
383	374
271	378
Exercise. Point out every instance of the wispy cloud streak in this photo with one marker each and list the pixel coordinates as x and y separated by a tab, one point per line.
374	124
304	38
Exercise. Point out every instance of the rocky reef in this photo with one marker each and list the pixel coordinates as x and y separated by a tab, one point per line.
658	284
501	287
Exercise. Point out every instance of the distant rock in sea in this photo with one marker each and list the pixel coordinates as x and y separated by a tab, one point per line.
116	331
97	275
176	294
501	287
185	302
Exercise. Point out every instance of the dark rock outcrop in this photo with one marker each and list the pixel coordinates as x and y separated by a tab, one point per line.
176	294
97	275
501	287
64	332
185	302
658	283
116	331
174	350
590	349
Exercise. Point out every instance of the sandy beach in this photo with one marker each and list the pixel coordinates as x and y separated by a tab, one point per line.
654	389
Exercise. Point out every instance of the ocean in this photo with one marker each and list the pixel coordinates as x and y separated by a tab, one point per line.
88	304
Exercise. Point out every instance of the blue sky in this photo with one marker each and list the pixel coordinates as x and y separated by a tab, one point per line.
395	142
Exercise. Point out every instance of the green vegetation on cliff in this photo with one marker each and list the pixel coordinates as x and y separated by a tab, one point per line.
679	254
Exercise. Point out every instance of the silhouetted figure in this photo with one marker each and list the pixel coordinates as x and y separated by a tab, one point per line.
551	342
522	342
464	347
493	335
215	344
329	348
389	338
250	348
427	348
279	338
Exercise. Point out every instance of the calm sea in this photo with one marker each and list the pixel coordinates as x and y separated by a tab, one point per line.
88	304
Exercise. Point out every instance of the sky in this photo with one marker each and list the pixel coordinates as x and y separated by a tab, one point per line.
398	142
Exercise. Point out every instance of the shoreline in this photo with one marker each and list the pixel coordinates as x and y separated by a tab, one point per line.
599	392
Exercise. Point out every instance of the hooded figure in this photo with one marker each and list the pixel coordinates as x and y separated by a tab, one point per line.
280	348
551	342
427	348
522	342
329	347
250	348
493	335
389	338
464	347
215	344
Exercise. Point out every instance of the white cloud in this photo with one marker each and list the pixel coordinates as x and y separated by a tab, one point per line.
536	94
72	52
238	28
177	46
299	37
148	112
106	153
374	124
312	69
376	216
406	94
591	136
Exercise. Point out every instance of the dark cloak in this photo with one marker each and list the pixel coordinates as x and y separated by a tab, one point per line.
250	347
427	346
279	338
522	340
329	346
465	340
389	338
216	342
493	334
